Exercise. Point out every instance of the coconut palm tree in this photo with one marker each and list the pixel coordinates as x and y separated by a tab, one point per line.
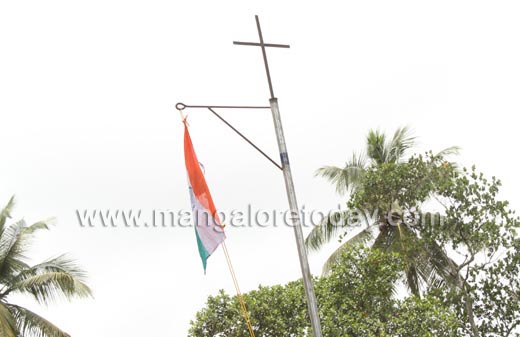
46	281
424	264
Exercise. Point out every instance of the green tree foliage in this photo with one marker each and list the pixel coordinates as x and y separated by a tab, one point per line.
385	189
460	260
349	179
356	299
396	192
45	282
464	251
272	310
481	234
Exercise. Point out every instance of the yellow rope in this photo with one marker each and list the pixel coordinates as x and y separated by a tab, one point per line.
239	293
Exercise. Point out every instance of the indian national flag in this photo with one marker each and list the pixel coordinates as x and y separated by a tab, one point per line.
208	230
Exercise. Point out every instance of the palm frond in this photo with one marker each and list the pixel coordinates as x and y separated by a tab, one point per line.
50	280
406	242
11	249
402	240
412	279
347	177
385	240
427	265
359	239
13	244
58	277
449	151
444	269
7	322
433	267
5	214
427	275
8	240
400	143
326	230
376	149
43	224
32	325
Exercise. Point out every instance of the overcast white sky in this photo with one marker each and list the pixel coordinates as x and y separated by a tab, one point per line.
87	91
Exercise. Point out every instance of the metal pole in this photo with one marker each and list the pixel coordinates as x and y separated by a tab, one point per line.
289	186
295	216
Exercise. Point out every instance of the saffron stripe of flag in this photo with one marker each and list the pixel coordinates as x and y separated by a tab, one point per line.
208	229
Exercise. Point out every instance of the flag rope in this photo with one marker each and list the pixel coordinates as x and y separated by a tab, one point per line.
239	293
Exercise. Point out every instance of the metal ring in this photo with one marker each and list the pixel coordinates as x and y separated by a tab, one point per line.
180	106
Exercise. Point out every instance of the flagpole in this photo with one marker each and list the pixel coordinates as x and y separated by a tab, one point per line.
312	303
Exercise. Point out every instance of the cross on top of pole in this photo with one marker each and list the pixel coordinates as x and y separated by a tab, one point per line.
263	45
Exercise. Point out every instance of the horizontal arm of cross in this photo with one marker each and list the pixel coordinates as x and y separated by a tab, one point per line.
259	44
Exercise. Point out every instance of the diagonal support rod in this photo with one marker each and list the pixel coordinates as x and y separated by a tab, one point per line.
245	138
182	106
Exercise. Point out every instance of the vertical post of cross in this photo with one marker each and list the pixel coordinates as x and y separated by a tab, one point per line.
312	303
